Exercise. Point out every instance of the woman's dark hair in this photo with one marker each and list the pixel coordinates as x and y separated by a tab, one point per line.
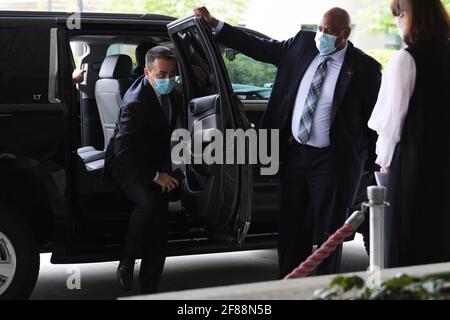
427	20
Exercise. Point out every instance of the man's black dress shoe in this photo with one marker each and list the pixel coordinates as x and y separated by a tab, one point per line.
125	273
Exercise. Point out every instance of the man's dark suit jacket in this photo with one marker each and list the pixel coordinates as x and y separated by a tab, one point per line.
352	142
140	146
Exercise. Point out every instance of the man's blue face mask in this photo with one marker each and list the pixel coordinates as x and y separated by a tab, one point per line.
164	86
326	43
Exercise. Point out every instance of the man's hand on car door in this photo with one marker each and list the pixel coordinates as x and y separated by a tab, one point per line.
202	12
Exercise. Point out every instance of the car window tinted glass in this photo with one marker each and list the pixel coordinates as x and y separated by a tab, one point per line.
251	79
198	65
24	64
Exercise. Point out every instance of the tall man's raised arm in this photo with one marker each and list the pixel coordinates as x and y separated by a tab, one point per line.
264	50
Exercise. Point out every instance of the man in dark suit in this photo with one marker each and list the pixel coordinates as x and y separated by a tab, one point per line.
138	160
322	98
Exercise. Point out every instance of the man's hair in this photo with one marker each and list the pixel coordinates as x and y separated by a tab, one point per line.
427	20
158	52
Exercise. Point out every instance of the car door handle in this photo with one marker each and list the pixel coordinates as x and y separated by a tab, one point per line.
6	115
198	166
201	105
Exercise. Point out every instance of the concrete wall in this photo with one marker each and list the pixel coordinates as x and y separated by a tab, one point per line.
301	289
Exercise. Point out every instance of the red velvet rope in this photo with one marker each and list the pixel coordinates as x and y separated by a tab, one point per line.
321	254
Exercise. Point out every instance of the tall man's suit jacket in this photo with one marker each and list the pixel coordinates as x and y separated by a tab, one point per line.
140	146
352	142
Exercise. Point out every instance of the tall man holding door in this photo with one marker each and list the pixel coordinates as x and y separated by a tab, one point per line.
323	96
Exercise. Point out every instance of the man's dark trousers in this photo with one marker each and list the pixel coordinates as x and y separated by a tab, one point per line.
309	199
147	230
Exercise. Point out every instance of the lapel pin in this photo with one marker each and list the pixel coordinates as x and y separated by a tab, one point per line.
350	72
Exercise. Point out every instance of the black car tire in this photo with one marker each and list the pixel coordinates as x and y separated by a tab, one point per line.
25	246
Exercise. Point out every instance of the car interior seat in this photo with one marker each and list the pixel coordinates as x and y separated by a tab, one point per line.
114	82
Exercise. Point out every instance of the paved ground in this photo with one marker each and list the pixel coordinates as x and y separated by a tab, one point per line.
98	281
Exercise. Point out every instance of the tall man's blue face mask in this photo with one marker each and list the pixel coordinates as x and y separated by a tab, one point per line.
326	43
164	86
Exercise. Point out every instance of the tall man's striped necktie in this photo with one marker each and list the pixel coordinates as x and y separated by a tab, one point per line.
311	102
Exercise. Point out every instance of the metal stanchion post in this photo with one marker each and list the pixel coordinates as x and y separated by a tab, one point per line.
377	204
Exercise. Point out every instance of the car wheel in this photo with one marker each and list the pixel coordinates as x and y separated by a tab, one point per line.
19	257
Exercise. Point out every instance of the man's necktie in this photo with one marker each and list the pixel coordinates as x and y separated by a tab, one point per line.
165	104
311	102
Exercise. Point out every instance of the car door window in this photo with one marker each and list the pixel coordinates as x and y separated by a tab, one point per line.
251	79
199	70
213	189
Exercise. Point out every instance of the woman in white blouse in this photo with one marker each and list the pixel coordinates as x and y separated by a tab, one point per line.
412	119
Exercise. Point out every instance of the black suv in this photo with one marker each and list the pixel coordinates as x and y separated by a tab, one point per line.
53	135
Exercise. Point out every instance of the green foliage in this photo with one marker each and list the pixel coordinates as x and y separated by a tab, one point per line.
244	70
338	287
231	11
377	16
402	287
382	55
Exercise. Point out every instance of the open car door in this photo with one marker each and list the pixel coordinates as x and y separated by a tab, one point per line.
217	196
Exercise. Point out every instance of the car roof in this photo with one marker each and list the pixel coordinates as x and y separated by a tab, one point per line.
94	17
90	16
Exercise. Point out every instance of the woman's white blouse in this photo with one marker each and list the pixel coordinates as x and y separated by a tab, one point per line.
390	111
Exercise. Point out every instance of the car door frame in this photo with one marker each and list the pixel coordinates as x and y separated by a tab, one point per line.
265	213
235	230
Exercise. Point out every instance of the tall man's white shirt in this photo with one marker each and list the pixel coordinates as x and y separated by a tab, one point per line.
321	122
